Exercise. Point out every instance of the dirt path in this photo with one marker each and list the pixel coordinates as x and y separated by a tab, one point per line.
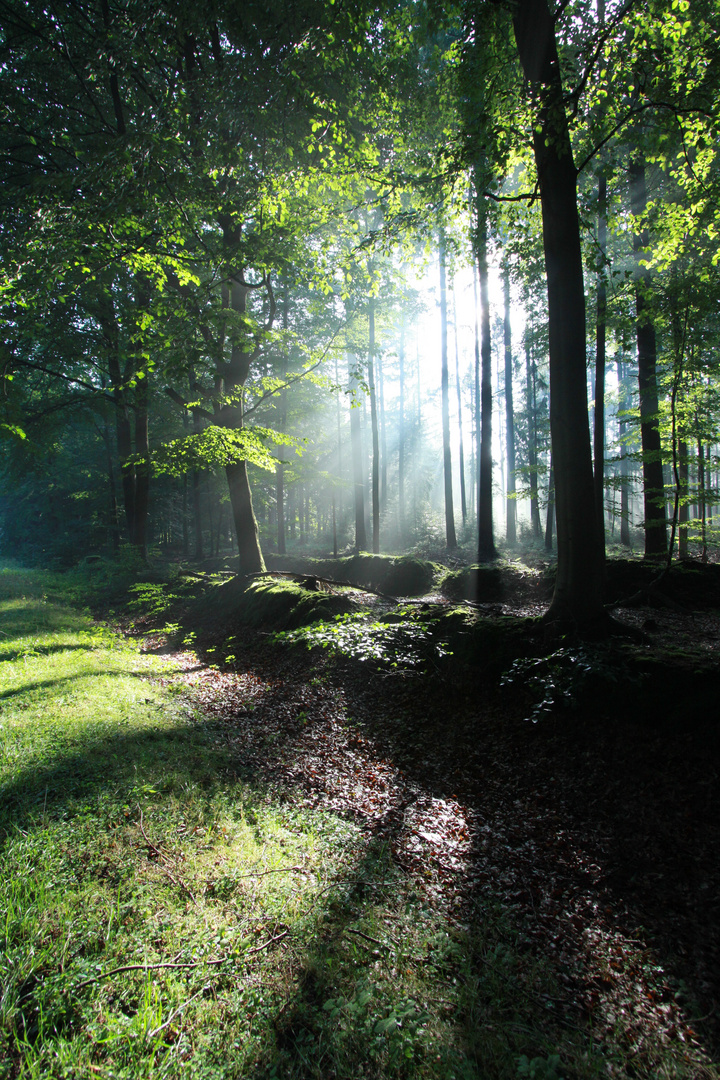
599	839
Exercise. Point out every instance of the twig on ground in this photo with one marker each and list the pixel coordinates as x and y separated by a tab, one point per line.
280	870
177	881
270	941
157	1030
375	941
150	967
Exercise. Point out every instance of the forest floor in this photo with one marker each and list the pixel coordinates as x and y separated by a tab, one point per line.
554	820
593	823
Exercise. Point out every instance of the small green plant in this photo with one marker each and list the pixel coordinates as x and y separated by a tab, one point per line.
557	680
403	644
539	1068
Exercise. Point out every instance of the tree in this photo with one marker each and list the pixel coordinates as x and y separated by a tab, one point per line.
578	587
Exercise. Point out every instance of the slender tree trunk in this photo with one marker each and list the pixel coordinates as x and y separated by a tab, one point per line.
578	587
280	469
486	542
383	433
509	414
142	468
683	472
447	459
113	529
358	474
624	478
653	479
532	434
600	336
374	425
461	452
702	498
337	490
233	376
119	377
401	433
185	529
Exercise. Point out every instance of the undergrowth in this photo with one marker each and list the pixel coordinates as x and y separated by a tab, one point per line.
401	641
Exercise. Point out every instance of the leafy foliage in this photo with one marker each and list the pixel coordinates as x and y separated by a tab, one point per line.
405	643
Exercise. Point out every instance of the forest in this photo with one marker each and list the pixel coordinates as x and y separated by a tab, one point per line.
359	534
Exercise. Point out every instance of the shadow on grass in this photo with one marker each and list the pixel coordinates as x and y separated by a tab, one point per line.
343	1016
40	650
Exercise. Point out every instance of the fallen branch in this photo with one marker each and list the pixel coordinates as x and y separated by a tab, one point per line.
280	870
157	1030
270	941
150	967
178	882
367	937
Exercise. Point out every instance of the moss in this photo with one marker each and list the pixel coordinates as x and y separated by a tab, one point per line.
479	584
397	576
268	604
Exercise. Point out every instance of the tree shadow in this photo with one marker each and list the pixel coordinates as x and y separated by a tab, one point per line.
40	650
309	1040
600	831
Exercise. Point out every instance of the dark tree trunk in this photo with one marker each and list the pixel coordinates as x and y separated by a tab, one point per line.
374	426
461	449
113	529
142	468
683	472
450	536
624	494
532	433
653	479
600	335
550	518
511	503
578	587
486	542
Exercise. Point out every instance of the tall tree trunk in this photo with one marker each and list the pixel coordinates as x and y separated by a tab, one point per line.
578	586
532	433
374	426
511	534
486	542
600	336
383	432
234	375
445	390
401	433
280	468
550	519
113	530
702	499
653	479
358	473
683	471
338	419
624	479
119	377
142	468
461	451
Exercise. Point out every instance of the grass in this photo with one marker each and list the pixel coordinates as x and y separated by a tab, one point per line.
162	918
